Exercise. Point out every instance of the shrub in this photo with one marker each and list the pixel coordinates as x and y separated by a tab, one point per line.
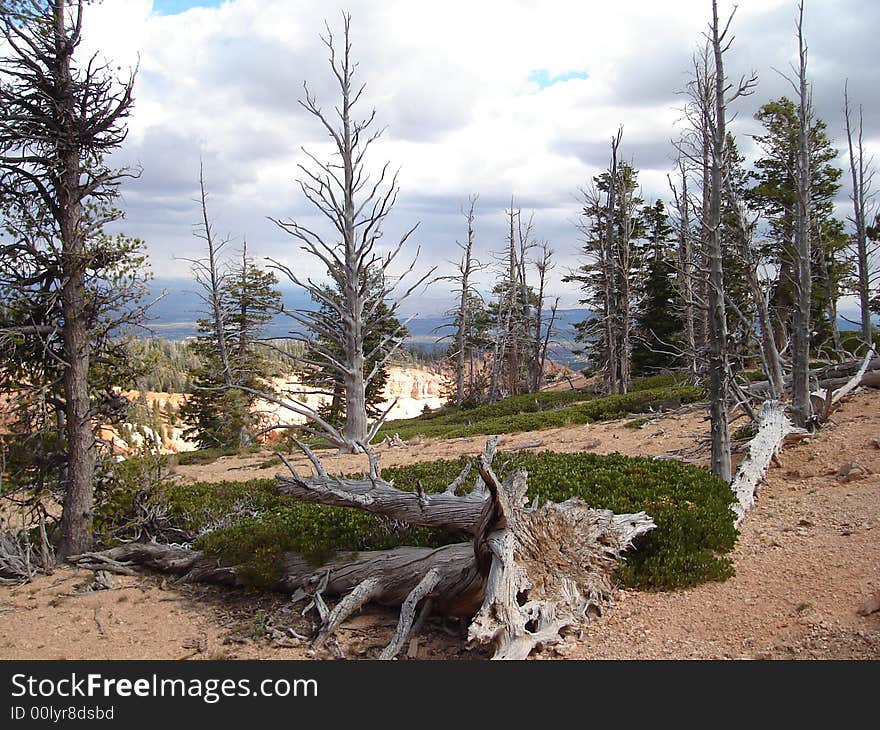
248	524
512	418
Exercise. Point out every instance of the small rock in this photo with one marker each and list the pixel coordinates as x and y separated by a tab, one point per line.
872	605
805	523
849	472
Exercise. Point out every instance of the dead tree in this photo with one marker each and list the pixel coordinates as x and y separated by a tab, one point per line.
356	207
802	280
613	345
686	266
769	354
210	277
467	266
59	120
862	175
526	574
541	332
717	344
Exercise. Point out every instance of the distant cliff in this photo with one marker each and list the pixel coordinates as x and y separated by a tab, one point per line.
412	387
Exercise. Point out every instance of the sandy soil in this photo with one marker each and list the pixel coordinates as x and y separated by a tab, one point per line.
807	559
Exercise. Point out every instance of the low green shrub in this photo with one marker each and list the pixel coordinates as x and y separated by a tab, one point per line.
594	409
248	524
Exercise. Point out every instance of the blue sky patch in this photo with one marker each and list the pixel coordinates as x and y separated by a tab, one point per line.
173	7
543	79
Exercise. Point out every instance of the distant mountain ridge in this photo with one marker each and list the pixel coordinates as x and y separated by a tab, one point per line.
174	316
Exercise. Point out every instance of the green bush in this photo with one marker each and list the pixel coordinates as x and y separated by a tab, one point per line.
475	421
248	524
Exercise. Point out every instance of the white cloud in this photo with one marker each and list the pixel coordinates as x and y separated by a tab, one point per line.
452	82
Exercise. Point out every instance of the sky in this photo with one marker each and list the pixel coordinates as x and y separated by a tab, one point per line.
517	98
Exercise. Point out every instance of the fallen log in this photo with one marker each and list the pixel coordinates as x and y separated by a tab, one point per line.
833	373
774	428
527	574
833	397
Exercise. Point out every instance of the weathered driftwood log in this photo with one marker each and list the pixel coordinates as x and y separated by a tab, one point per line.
773	429
526	574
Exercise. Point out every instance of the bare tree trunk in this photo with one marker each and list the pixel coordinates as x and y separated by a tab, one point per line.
622	265
717	360
800	336
830	296
860	184
213	281
770	355
610	274
513	342
465	267
686	270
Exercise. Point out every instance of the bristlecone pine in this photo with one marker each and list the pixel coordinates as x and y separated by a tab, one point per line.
528	572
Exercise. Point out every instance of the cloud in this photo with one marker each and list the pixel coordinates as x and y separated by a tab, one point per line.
497	98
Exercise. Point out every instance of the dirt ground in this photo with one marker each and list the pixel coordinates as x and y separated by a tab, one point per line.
807	559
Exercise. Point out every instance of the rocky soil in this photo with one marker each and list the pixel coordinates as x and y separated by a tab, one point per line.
807	560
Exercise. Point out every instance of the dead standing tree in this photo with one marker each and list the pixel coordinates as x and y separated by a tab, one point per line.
802	280
356	208
467	267
719	369
862	173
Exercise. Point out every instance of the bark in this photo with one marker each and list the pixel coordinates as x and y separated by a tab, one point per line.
833	397
717	344
76	519
830	297
686	271
609	273
770	355
512	334
526	575
800	335
467	263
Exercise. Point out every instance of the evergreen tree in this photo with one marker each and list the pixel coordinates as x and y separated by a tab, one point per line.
61	121
220	413
658	320
774	194
384	334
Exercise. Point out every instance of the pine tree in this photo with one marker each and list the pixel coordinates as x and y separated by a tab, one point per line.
774	194
220	410
658	321
61	121
385	332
